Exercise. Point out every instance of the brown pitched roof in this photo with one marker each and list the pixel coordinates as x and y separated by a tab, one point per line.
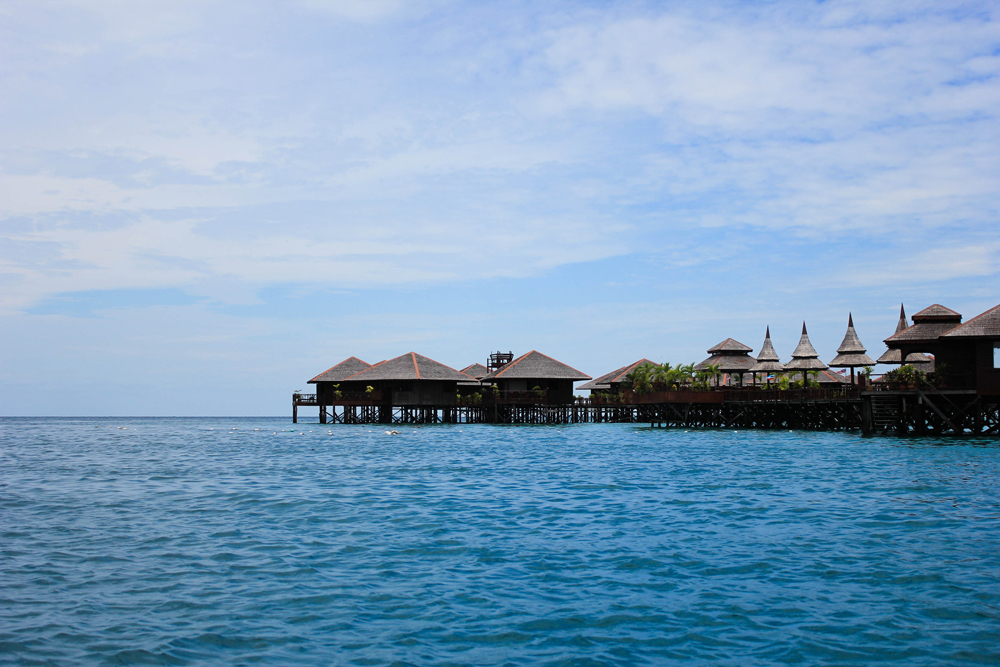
728	363
410	366
730	345
767	360
851	353
341	371
985	325
937	312
922	332
536	366
475	370
805	356
617	376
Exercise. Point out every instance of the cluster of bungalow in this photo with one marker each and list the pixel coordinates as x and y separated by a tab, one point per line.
967	355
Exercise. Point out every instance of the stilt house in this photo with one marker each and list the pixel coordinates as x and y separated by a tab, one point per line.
535	369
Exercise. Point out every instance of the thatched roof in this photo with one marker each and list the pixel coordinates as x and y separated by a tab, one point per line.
475	370
937	313
341	371
805	357
851	353
616	376
536	366
730	356
986	325
768	360
728	363
928	325
411	366
731	346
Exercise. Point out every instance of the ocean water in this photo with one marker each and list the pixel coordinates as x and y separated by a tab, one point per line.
239	541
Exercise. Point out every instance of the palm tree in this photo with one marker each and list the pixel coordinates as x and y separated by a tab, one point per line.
662	375
640	378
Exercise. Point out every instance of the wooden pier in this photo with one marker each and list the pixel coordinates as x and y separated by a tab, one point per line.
883	412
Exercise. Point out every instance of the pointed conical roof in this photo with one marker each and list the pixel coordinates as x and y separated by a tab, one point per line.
902	320
411	366
893	355
341	371
805	357
851	353
768	360
536	366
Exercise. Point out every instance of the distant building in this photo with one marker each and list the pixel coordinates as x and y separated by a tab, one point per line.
535	369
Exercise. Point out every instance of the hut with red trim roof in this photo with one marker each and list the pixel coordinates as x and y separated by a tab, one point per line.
612	382
536	370
412	379
333	379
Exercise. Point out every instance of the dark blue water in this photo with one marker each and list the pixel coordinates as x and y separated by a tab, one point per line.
182	541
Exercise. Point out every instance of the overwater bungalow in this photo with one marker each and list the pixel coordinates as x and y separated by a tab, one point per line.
535	371
731	357
612	382
412	379
333	380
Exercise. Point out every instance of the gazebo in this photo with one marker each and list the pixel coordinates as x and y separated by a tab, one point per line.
805	358
730	356
851	353
768	360
893	356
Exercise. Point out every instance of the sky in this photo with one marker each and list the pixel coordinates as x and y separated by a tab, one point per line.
205	204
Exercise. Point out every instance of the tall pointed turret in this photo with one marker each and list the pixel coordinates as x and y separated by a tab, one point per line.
768	360
893	356
851	353
805	357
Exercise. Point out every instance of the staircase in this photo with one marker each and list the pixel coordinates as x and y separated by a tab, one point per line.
885	413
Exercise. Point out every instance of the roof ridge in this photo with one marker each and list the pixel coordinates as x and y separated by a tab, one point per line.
416	368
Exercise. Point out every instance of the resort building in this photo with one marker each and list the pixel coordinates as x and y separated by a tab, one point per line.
411	379
536	372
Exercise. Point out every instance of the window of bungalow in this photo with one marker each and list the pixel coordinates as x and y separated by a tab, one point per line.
996	355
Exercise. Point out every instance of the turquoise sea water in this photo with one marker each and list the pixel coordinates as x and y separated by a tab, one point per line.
183	541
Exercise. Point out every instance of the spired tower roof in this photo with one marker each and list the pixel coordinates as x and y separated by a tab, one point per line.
341	371
805	357
768	360
894	356
851	352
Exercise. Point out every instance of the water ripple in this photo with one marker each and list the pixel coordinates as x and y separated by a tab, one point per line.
205	541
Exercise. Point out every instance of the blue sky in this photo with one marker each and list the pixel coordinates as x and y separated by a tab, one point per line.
204	204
